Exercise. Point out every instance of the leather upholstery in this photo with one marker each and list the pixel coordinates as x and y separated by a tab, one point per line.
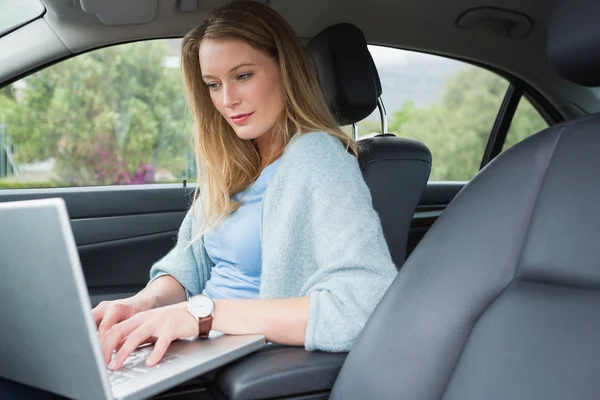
574	40
396	171
346	72
278	371
501	299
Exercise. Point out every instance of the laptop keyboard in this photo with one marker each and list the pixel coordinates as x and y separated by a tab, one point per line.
135	366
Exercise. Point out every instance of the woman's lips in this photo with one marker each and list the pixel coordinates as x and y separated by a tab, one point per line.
241	118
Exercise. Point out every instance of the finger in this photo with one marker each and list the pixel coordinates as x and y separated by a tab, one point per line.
117	334
150	340
114	315
135	338
160	348
98	313
120	344
111	318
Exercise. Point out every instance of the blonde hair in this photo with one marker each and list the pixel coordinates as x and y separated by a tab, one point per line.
227	164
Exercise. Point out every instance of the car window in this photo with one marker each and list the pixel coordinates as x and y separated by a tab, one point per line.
449	105
113	116
526	121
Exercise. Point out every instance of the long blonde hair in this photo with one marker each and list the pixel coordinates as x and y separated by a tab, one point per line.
227	164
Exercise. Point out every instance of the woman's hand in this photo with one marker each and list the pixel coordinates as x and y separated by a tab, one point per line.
109	313
160	325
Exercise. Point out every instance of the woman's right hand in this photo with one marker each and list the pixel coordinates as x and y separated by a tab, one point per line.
109	313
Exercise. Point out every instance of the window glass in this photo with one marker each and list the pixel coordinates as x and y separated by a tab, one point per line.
449	105
526	121
109	117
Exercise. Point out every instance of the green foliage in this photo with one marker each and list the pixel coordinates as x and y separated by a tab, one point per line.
112	116
12	184
7	104
526	122
107	117
457	128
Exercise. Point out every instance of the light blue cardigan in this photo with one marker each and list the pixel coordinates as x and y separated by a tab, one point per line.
320	238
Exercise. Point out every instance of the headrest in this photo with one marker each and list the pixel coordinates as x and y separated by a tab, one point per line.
574	40
346	72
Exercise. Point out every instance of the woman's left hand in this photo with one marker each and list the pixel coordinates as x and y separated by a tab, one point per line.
160	326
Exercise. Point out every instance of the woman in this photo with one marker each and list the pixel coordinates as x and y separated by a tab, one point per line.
282	239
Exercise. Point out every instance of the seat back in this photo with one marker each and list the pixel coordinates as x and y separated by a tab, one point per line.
395	169
501	299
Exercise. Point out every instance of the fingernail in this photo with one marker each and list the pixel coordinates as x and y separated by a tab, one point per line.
111	365
148	363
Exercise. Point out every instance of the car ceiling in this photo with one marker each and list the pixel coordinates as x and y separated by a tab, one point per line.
424	25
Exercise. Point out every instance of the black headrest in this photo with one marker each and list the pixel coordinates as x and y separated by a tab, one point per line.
574	40
346	72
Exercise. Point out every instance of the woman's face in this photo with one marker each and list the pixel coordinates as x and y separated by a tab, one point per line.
245	87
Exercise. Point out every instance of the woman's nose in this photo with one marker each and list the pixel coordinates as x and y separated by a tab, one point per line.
230	96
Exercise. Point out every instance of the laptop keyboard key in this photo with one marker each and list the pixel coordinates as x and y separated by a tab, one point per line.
135	365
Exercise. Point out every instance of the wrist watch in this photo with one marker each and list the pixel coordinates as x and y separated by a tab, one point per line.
202	307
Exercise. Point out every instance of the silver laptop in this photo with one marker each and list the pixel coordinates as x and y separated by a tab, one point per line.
48	338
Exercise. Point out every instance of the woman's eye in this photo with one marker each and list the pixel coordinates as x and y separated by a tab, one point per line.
243	77
213	86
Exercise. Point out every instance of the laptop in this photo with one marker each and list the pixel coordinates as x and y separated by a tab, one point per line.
48	338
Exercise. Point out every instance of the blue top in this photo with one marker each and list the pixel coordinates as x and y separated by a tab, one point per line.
234	245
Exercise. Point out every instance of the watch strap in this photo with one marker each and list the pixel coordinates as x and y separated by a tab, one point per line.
205	326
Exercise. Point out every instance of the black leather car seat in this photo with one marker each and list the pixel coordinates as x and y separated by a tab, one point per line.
395	169
501	299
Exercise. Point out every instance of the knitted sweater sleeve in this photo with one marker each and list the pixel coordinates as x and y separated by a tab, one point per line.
332	227
187	262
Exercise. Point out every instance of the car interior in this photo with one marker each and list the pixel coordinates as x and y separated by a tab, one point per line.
497	291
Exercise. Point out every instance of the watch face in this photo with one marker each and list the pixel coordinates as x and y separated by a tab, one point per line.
201	306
